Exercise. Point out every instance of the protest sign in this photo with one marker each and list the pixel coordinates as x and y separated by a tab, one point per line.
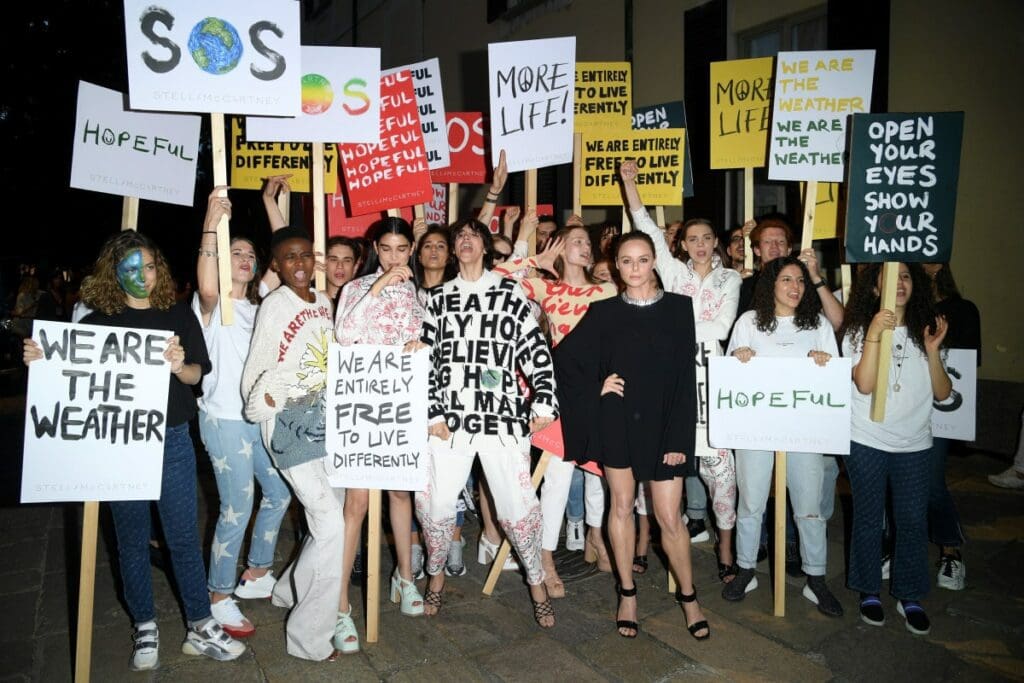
135	154
213	56
603	97
779	404
95	414
668	115
340	99
531	94
393	173
740	112
550	439
436	211
826	211
465	150
815	92
955	417
499	213
251	162
659	159
340	223
426	79
901	195
377	417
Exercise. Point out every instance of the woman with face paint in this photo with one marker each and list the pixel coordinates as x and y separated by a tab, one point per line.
131	286
234	444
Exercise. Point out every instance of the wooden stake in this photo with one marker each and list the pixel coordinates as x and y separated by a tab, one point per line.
577	169
531	204
748	215
659	217
780	533
130	213
627	225
86	591
373	568
846	278
220	177
418	211
394	213
671	582
453	202
503	550
319	215
890	276
810	200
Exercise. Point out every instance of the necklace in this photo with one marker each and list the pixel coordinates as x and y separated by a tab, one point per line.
899	346
643	302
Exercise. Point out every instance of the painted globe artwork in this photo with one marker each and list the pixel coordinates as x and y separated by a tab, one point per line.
317	94
215	46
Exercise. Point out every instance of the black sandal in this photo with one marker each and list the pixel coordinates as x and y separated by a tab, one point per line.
700	625
433	598
726	570
624	623
641	562
542	609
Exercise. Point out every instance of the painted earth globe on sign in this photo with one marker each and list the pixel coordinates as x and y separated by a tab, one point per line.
215	46
317	94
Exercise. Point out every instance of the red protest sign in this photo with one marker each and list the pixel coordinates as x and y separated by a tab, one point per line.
394	172
550	440
341	223
466	149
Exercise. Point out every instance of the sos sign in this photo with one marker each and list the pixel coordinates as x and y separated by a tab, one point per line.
466	147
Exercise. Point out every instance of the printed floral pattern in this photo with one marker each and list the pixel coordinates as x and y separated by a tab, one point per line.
393	318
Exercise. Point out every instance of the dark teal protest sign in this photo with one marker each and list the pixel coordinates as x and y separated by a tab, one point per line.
903	173
668	115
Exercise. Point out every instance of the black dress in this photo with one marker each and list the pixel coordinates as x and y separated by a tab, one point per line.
652	349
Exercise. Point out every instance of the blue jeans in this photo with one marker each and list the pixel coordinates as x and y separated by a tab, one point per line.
237	453
178	517
574	510
943	520
696	498
830	475
906	475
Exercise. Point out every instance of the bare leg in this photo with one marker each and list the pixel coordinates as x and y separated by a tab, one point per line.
675	541
356	503
622	535
401	528
643	541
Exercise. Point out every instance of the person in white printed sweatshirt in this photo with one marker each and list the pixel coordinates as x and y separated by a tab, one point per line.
481	332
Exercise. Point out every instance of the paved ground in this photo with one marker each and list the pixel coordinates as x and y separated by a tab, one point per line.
976	634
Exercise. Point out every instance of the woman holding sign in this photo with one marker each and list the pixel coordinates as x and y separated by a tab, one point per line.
787	322
895	453
380	307
131	286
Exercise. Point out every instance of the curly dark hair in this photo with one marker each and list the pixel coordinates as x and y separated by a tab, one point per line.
865	299
806	316
417	266
480	229
101	292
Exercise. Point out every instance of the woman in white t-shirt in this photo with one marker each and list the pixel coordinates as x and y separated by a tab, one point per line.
894	453
786	322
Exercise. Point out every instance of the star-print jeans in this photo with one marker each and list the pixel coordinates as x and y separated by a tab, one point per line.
238	455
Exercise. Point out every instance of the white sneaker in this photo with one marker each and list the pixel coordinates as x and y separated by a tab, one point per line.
455	566
145	651
886	563
574	535
256	589
231	619
1007	479
952	573
417	562
211	641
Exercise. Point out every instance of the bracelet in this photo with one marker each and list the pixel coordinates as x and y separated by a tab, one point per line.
820	283
492	197
871	341
207	252
209	232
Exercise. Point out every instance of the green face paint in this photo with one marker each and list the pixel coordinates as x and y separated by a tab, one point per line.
130	275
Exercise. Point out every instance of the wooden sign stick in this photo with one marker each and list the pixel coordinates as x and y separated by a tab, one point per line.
659	217
748	215
531	204
130	213
846	280
453	202
319	216
627	225
373	568
890	276
503	551
577	169
394	213
418	211
220	177
86	590
810	198
780	534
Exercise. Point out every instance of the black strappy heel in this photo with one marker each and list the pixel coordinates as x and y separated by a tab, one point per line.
623	623
700	625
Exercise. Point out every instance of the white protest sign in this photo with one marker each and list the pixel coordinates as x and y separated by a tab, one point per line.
340	99
531	87
779	404
95	414
133	154
213	56
815	92
426	79
376	417
955	417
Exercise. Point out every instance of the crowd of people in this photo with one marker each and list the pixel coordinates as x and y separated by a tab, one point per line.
608	334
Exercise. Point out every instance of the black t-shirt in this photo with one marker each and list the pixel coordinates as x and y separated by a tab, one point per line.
964	324
181	401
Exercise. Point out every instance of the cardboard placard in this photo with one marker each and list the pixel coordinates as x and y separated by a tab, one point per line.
213	56
466	150
603	97
531	95
956	417
377	417
136	154
251	162
340	222
393	173
826	211
340	99
815	92
550	439
659	158
95	414
740	112
668	115
436	210
779	404
426	79
901	202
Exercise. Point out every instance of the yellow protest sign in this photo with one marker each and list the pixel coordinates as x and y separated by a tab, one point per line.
659	158
251	162
740	112
604	97
826	211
